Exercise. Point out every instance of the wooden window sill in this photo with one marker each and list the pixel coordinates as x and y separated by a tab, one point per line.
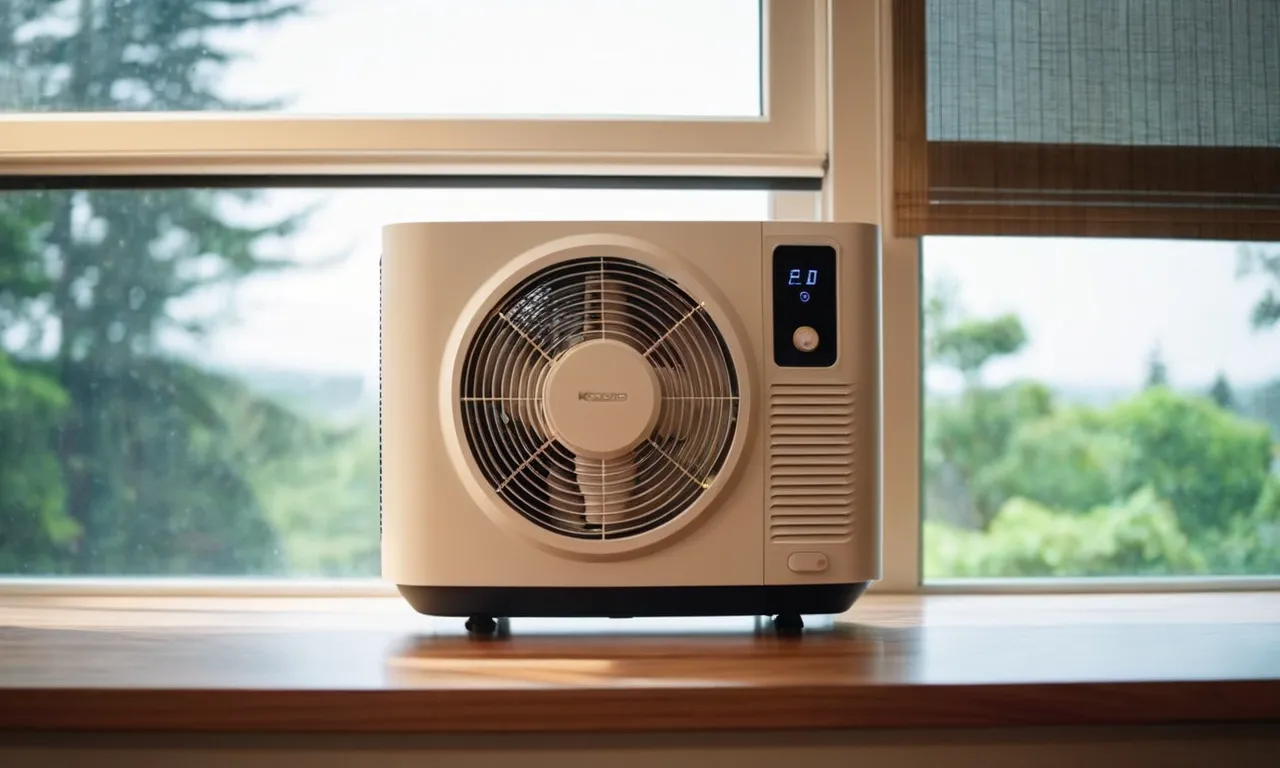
371	665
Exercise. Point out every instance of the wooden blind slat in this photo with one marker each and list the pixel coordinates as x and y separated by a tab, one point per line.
910	163
1069	189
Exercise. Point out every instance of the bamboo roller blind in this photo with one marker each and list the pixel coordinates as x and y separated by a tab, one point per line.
1153	118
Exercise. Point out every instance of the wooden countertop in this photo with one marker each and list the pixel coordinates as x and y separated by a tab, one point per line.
368	665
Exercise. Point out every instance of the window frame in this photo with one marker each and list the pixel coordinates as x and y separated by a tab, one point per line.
863	139
839	58
787	140
783	150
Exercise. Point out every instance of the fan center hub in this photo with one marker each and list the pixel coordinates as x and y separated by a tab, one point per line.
602	399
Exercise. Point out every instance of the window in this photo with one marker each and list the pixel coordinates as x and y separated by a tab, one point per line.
1073	183
1100	408
390	57
711	88
190	218
188	377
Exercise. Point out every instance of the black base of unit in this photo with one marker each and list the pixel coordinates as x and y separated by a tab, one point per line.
631	602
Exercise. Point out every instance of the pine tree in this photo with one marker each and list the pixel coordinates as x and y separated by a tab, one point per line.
1157	371
149	482
1221	392
1256	261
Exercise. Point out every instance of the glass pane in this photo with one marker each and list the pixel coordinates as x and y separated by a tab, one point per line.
386	57
1101	408
1131	72
189	378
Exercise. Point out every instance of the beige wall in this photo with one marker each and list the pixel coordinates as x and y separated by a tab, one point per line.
1220	747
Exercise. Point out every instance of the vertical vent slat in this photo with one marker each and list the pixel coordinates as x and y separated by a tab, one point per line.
812	456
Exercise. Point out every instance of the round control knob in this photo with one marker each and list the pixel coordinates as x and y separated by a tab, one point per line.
805	339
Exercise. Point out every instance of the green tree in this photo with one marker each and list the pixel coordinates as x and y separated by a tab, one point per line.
1161	483
965	434
1250	544
1137	536
1221	392
151	480
1263	404
1255	261
1157	371
1210	465
970	344
323	494
967	344
34	526
1069	459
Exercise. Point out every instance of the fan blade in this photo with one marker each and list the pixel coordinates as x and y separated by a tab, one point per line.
516	369
563	496
687	409
696	392
680	414
592	305
608	486
610	312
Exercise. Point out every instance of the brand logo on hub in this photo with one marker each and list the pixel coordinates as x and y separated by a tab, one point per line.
603	397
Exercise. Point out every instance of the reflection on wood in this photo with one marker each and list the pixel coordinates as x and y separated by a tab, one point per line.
373	665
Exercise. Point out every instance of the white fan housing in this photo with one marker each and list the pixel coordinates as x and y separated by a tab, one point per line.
624	419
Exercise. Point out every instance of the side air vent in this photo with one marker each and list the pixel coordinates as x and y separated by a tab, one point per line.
811	463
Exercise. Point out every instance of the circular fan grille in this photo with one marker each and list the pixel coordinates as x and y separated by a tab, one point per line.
505	417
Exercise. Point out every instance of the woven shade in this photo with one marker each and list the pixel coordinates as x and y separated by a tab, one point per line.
1079	117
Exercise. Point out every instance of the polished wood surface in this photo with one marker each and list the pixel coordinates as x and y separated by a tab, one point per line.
258	664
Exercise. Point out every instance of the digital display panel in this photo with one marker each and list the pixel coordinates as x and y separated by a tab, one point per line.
804	306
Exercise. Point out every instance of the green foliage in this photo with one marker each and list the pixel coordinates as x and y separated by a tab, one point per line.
970	344
317	484
140	472
1066	460
1158	483
136	55
1250	543
1252	260
1263	405
161	491
968	434
35	529
326	498
1221	393
1138	536
21	279
1209	464
1157	370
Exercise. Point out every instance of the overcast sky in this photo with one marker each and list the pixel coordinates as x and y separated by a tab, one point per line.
1094	308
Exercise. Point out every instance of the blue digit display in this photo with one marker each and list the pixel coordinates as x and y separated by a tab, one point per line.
804	279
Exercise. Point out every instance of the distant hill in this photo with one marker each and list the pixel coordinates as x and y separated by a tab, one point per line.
1258	402
328	396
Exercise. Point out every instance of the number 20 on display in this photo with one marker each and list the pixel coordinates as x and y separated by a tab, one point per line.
810	277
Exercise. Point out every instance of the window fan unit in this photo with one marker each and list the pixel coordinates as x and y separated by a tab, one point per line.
630	419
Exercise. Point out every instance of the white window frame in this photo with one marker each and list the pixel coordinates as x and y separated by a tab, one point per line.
828	114
787	140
